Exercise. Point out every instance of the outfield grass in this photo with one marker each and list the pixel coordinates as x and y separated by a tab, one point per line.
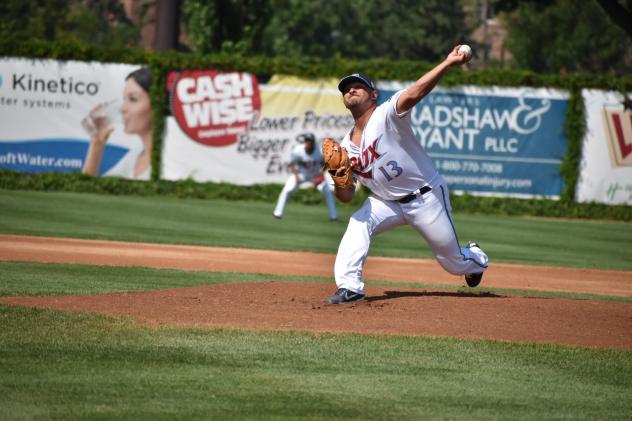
56	365
587	244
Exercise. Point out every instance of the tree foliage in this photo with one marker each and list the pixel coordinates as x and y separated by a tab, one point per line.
565	35
545	36
96	22
620	12
396	29
229	26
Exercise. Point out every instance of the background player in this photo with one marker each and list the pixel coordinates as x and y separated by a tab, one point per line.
386	157
306	164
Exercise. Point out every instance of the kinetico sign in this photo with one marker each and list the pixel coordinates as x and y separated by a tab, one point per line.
213	108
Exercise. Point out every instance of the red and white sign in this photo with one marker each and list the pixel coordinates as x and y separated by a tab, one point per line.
606	167
289	106
619	135
214	108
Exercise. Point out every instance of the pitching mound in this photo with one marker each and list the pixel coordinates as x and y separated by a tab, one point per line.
387	310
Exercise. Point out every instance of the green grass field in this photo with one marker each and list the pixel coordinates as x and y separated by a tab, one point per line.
59	365
70	366
571	243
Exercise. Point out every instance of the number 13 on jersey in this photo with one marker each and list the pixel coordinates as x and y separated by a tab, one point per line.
393	170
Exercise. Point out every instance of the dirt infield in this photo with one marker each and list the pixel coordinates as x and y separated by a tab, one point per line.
387	310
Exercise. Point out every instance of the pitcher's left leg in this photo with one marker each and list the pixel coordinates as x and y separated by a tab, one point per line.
431	216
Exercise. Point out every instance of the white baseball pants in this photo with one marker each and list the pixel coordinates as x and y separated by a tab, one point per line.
291	185
429	214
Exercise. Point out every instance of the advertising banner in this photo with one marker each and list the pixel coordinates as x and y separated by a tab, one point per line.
228	127
493	141
74	116
606	166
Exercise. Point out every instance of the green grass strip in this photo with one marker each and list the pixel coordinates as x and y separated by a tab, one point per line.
570	243
23	278
20	278
57	365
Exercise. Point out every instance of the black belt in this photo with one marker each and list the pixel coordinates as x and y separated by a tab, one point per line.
410	197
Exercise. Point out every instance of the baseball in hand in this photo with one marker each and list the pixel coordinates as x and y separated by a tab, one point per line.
466	50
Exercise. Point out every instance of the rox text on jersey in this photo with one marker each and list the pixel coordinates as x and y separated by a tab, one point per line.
365	159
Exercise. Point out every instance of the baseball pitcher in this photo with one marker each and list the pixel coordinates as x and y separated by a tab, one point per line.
382	153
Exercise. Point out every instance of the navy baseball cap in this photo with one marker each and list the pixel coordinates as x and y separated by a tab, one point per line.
355	77
306	137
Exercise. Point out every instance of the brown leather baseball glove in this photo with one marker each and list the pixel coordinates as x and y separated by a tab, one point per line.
337	163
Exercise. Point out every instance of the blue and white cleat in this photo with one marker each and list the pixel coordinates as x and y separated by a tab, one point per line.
473	279
344	296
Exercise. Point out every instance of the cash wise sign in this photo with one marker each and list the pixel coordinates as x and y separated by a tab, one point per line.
211	107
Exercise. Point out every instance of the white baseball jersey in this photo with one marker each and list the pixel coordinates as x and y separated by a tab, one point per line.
307	165
390	160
